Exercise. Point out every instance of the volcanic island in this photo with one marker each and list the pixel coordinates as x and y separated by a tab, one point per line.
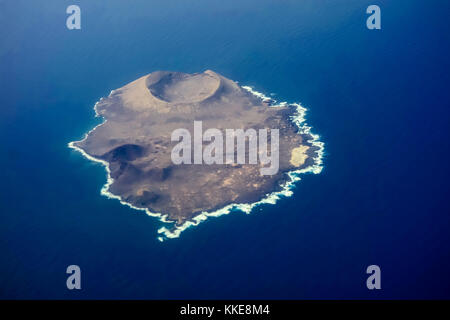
134	143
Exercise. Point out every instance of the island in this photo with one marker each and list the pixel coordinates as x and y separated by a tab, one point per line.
135	143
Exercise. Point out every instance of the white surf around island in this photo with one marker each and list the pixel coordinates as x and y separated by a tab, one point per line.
271	198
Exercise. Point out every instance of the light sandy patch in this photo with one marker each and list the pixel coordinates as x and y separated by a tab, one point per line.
298	156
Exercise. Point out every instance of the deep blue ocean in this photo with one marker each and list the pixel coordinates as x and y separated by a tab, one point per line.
379	99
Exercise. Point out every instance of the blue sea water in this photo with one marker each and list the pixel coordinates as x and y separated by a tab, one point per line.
378	98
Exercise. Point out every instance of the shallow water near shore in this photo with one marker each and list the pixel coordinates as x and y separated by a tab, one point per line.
378	100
